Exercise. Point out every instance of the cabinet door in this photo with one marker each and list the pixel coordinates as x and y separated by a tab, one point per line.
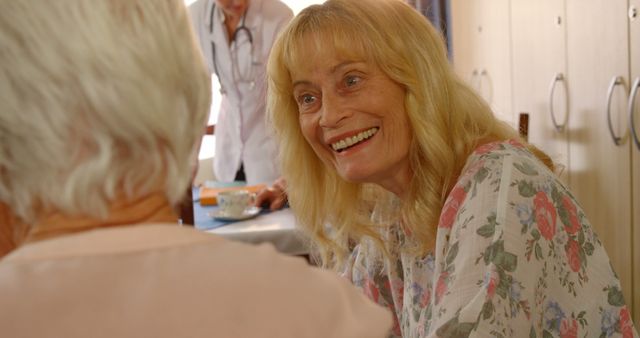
539	55
481	44
597	50
634	25
465	40
495	67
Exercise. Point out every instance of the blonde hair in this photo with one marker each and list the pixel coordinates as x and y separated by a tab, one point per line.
97	98
448	121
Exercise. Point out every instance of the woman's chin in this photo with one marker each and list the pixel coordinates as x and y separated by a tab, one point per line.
355	175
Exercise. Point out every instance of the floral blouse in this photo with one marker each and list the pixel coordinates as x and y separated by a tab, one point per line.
515	256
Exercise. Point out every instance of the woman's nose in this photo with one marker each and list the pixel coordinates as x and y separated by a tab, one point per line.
333	112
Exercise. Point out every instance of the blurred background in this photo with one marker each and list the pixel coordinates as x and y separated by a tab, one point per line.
207	150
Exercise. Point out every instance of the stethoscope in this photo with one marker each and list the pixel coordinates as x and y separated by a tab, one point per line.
249	75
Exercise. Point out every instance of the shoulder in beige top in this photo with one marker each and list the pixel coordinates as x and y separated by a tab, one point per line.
169	281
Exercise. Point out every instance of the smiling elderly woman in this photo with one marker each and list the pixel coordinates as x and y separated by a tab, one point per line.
409	185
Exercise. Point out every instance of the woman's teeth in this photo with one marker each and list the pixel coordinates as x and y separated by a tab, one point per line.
353	140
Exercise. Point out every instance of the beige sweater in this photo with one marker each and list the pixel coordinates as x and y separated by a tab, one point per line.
168	281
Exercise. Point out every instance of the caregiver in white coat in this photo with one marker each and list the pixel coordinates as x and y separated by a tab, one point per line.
235	38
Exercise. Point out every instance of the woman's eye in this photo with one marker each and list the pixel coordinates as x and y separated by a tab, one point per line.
306	99
352	80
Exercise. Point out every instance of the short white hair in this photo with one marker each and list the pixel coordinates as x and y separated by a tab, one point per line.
97	98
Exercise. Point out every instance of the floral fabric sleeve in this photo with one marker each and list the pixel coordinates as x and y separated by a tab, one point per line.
517	257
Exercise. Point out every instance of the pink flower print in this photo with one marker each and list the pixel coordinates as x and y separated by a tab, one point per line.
451	207
487	147
441	286
400	293
515	143
493	281
625	323
574	223
491	288
572	249
426	298
371	290
395	288
545	215
569	328
473	169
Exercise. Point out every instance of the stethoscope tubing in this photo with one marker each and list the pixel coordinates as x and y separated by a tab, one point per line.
239	29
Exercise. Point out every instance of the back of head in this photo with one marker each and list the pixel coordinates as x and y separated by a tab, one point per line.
448	120
97	98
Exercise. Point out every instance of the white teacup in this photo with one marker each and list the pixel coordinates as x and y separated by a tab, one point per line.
233	203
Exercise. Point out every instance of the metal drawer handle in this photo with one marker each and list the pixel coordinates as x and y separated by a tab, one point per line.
631	106
614	82
559	127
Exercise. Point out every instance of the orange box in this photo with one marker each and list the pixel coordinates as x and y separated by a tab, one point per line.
209	196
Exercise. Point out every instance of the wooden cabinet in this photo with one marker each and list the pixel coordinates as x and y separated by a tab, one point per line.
591	50
600	169
539	66
481	50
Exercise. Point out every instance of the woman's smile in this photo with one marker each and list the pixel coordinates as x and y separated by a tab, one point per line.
349	142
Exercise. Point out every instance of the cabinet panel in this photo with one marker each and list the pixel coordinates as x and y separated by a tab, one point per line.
495	72
465	39
481	44
539	54
597	50
634	40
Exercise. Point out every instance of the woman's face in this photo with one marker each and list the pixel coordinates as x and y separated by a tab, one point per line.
353	116
233	8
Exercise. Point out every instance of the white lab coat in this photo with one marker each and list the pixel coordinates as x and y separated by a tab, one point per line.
242	135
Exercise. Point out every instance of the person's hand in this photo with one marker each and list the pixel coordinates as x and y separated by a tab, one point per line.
211	129
275	196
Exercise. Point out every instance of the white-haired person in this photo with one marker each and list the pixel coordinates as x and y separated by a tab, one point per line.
102	104
412	188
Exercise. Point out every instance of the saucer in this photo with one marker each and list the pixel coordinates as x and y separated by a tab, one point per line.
248	213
